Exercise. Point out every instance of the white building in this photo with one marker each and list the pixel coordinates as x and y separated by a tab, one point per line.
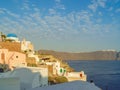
72	76
12	37
29	77
27	46
57	70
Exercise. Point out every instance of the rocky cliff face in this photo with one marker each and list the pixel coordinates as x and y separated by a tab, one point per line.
97	55
118	56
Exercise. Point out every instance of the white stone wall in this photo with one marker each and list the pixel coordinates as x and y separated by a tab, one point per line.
30	77
43	74
9	84
78	75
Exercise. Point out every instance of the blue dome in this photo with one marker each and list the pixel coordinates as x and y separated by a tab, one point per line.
12	35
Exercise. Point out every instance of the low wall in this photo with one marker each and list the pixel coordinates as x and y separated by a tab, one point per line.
9	84
72	76
43	74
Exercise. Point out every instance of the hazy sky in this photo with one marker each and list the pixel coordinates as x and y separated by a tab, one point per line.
63	25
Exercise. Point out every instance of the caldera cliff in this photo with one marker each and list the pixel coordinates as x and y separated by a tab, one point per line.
96	55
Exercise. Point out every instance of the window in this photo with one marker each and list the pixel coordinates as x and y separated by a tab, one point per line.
16	56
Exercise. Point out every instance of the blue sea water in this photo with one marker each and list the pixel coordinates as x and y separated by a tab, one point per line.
105	74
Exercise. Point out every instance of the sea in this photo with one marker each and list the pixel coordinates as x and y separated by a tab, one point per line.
105	73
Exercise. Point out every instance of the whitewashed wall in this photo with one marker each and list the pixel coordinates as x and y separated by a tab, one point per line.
9	84
30	77
43	74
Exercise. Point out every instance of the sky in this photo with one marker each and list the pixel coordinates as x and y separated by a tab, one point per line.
63	25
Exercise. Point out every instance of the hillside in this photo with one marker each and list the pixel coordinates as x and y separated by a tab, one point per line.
97	55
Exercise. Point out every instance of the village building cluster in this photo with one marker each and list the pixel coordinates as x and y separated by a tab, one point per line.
21	59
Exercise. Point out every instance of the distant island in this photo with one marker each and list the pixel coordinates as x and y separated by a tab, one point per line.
96	55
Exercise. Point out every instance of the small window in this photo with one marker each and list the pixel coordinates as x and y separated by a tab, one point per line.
16	56
2	56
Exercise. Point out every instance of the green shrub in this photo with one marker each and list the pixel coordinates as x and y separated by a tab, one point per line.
57	79
61	79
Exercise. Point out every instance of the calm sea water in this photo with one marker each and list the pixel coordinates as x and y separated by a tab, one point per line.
105	74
